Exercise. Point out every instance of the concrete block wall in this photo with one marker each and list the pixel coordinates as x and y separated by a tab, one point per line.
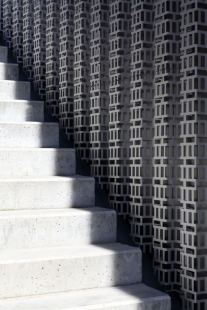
127	80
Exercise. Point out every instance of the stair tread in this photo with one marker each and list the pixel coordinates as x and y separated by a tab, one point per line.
28	123
52	212
21	100
37	149
89	299
10	81
44	178
9	63
67	252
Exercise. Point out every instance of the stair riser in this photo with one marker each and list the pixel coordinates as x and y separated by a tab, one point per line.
21	111
9	71
69	274
29	135
60	230
37	162
3	54
12	90
58	193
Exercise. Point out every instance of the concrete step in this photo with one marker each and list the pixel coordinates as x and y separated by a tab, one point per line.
3	54
12	90
57	227
37	162
30	135
131	297
20	193
9	71
21	111
61	269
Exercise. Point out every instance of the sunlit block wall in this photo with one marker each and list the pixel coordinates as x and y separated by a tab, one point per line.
141	123
39	67
166	183
81	78
17	29
128	82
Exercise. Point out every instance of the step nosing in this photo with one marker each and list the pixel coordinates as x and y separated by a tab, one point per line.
54	212
117	295
43	178
21	100
12	81
67	252
9	64
30	123
103	247
38	149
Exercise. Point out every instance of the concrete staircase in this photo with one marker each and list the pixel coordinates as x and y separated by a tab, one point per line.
57	250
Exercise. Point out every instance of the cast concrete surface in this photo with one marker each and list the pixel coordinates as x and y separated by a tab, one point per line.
22	229
29	134
11	90
21	111
57	250
37	162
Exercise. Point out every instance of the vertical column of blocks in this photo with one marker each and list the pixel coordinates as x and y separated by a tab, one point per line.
52	56
119	144
166	202
1	18
99	91
7	22
40	47
66	69
28	30
141	137
193	154
17	30
81	78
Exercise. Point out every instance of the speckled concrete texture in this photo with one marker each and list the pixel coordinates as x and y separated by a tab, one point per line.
18	193
11	90
9	71
60	269
59	227
31	134
132	297
21	111
37	162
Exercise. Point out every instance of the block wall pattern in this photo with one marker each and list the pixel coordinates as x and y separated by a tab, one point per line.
166	183
17	30
28	42
66	75
39	67
193	153
99	91
1	18
81	78
7	21
119	113
141	123
52	55
128	82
